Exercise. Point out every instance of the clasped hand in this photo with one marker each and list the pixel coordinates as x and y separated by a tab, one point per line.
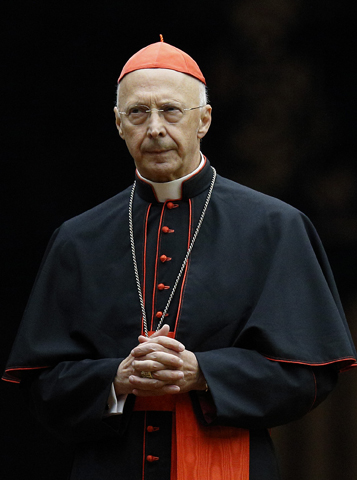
173	368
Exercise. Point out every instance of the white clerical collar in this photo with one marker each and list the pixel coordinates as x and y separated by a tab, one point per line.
171	190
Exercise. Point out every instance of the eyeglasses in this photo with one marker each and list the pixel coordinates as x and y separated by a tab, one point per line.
171	113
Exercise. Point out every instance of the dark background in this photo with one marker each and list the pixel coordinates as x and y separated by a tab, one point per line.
282	83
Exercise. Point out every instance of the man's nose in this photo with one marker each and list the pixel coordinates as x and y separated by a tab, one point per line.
156	124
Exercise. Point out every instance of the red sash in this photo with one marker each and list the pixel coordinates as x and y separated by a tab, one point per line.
198	452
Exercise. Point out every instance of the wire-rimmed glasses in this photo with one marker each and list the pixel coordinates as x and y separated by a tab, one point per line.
138	114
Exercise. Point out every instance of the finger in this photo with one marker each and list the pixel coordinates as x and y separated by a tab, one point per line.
146	386
147	365
166	377
157	361
153	344
167	389
175	377
168	342
163	331
141	383
150	348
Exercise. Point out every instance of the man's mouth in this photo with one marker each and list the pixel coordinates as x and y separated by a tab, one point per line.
157	151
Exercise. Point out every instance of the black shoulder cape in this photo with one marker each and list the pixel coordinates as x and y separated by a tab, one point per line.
258	279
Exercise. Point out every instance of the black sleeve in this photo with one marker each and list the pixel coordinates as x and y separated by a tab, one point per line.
70	400
249	391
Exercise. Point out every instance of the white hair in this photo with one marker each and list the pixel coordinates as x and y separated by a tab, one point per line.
203	93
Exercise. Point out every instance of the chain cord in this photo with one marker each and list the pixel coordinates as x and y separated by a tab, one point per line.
132	245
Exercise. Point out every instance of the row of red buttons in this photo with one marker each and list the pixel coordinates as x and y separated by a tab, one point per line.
165	258
161	286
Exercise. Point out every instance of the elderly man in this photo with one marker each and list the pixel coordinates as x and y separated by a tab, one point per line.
172	325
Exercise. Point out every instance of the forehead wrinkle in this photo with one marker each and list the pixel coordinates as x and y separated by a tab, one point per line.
156	96
140	88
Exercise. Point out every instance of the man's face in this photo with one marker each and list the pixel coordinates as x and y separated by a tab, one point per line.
162	151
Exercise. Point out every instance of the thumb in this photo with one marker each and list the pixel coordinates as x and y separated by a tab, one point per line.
164	331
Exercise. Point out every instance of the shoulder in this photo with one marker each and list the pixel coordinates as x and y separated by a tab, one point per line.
255	208
99	219
237	195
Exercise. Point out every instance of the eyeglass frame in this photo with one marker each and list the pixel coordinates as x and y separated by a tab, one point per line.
149	110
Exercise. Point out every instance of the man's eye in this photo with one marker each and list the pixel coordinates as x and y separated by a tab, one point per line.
138	110
171	109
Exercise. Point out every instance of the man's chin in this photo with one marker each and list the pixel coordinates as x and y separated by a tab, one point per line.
161	171
160	155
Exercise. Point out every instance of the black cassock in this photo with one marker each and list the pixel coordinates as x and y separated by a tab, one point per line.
257	304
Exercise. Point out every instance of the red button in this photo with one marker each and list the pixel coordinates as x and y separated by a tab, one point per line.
151	429
159	314
151	458
171	205
164	258
167	230
161	287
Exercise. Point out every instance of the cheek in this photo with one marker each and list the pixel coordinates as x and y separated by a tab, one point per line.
188	139
133	141
182	136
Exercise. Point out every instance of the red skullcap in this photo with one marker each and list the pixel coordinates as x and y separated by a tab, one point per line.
162	55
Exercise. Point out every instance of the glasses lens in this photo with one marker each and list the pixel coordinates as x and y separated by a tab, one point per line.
138	114
172	114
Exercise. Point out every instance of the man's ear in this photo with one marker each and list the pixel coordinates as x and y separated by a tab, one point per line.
118	122
205	121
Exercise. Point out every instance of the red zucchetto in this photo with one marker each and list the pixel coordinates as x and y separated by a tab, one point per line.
162	55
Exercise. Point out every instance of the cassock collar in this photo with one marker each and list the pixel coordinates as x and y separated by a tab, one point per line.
190	187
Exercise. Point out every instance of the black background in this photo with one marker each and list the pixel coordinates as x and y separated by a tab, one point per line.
61	154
